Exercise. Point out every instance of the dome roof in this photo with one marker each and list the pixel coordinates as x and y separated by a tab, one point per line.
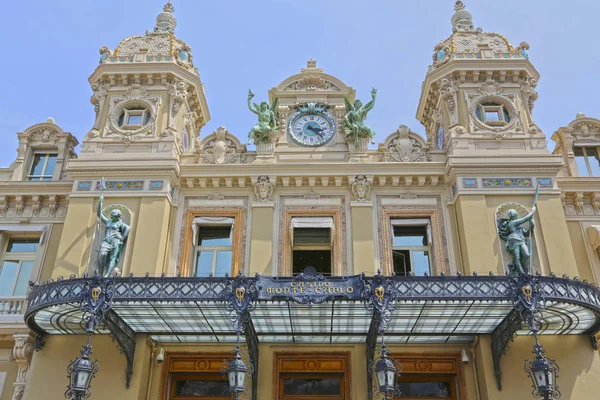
159	45
467	42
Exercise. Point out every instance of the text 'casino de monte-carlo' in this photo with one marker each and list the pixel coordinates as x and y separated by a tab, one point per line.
163	262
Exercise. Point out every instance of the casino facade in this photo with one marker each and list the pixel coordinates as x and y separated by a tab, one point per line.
166	263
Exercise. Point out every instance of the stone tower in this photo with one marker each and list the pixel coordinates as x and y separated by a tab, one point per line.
479	93
148	98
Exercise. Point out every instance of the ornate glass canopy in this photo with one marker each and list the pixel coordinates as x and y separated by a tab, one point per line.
315	309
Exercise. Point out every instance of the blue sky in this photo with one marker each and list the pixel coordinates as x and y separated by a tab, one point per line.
51	47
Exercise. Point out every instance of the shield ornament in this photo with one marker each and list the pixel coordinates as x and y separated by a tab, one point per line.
527	291
239	293
379	292
96	293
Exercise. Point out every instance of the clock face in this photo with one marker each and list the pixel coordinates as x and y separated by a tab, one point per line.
311	129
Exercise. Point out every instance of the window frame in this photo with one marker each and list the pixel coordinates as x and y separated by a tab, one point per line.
200	364
435	365
586	158
133	111
186	268
498	108
439	261
213	249
285	263
47	154
20	257
308	247
314	364
413	222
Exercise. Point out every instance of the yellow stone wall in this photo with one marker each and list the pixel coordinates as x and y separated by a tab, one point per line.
261	240
363	240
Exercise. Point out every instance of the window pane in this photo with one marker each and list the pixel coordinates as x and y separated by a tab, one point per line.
201	388
204	263
224	262
121	119
7	277
592	153
580	161
147	119
214	236
312	236
312	386
492	115
410	236
478	113
38	164
50	165
421	262
401	260
23	245
24	277
134	120
319	259
436	390
506	115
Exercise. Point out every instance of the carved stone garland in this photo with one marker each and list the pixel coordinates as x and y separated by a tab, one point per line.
311	83
178	92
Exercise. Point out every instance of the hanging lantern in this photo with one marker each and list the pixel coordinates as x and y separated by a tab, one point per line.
81	371
236	373
386	374
543	374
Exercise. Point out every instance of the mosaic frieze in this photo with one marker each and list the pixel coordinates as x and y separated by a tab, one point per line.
122	185
507	182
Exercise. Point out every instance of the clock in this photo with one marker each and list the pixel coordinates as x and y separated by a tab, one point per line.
311	126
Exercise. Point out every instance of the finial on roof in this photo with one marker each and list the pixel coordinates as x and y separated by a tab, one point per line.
462	20
166	21
311	67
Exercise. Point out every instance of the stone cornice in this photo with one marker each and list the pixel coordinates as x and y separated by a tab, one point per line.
495	64
549	165
579	184
314	169
9	188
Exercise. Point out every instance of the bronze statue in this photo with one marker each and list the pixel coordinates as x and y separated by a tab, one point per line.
268	120
511	231
115	238
354	122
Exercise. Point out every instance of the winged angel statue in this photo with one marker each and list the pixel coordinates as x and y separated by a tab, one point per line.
268	120
354	122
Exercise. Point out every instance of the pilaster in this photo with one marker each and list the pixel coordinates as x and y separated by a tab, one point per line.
476	236
561	256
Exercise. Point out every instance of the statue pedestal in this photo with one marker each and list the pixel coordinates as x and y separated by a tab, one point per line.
265	153
358	151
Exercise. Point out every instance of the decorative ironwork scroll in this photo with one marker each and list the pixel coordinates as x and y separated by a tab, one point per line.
502	336
125	338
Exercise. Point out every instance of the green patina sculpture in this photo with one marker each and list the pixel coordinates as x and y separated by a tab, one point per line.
354	122
268	120
511	231
113	244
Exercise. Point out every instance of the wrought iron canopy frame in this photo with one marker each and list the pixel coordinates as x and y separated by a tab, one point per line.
147	304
